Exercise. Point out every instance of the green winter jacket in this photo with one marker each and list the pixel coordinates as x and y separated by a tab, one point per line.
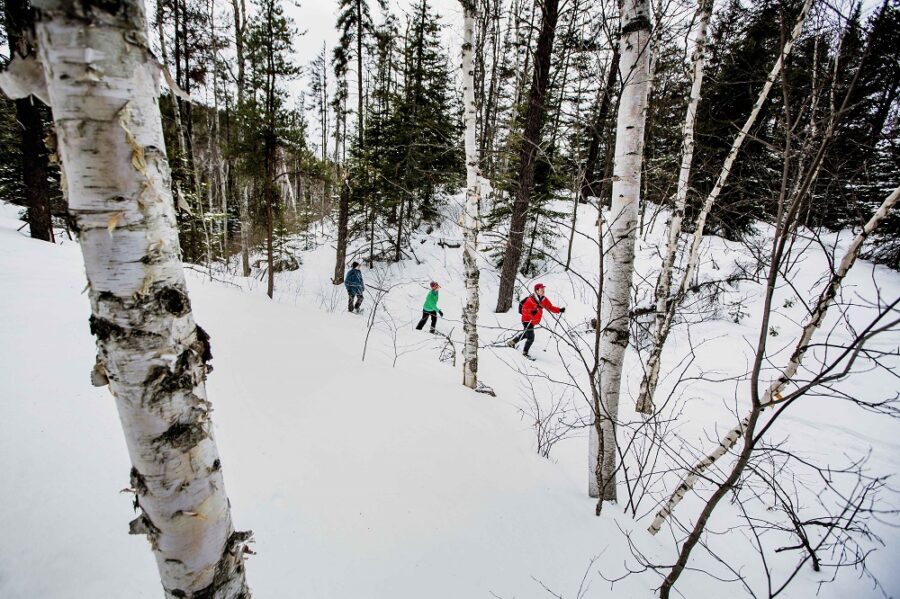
431	302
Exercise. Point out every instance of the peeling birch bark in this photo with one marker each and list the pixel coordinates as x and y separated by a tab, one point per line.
620	235
664	321
473	199
663	284
773	392
103	89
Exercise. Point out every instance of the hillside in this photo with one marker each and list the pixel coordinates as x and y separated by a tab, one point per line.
384	477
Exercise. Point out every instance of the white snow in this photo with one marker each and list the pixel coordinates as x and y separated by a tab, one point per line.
373	480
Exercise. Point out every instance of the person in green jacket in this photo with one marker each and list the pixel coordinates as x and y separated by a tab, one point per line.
430	309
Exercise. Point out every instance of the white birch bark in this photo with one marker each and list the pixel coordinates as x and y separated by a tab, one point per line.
665	319
651	376
103	89
473	198
773	392
619	240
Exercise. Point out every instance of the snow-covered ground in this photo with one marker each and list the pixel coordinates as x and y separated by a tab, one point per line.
384	477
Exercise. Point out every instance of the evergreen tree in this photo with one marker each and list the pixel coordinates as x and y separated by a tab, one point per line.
319	94
880	108
412	135
428	115
269	124
744	44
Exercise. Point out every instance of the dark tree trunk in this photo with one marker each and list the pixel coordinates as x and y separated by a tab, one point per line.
398	252
270	229
271	149
360	30
270	157
531	139
372	237
589	186
343	218
35	167
35	160
488	124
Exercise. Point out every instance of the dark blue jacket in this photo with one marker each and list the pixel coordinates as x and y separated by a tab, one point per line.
354	282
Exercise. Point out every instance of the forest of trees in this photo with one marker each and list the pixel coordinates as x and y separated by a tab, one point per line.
382	148
780	112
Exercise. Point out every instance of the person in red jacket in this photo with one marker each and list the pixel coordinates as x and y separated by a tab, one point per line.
532	309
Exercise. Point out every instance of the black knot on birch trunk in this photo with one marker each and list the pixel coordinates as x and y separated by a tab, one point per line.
203	347
143	525
108	6
174	301
182	435
641	22
103	329
138	483
180	378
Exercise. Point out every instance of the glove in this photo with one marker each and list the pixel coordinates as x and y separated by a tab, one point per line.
441	312
562	310
534	312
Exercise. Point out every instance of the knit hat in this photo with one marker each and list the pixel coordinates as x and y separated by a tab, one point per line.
538	286
434	284
355	265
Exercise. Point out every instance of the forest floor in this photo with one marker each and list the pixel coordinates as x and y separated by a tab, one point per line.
383	477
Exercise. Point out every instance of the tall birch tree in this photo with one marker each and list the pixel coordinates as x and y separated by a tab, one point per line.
101	81
648	383
666	306
619	239
470	222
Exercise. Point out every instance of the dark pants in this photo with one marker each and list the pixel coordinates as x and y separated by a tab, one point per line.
350	306
425	315
528	334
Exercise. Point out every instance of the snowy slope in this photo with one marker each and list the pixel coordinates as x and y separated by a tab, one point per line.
382	478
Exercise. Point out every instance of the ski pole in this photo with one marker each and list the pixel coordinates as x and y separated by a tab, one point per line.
552	332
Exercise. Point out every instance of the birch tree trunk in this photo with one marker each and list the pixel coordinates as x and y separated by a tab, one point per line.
651	375
101	82
470	223
746	428
664	320
620	236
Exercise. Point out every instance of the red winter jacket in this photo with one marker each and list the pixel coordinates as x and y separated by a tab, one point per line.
532	311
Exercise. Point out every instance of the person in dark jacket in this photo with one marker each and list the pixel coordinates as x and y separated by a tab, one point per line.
430	309
532	312
353	281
